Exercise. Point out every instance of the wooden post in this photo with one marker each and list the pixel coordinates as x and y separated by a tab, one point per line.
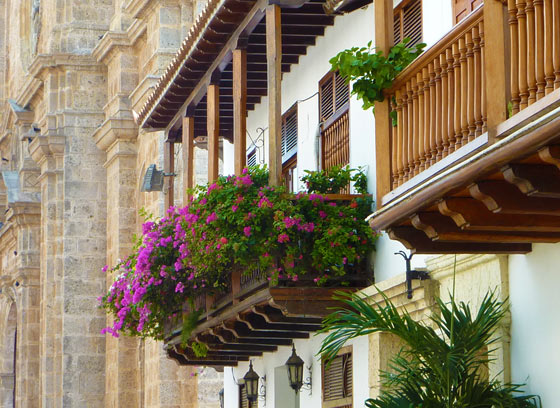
495	66
213	128
169	168
274	70
383	42
240	109
188	157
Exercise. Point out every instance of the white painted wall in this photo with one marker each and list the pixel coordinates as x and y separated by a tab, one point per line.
306	349
535	311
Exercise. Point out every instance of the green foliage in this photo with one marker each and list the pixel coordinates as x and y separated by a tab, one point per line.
334	180
237	223
440	364
371	71
199	349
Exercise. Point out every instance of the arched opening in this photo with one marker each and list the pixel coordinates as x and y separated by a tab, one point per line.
8	360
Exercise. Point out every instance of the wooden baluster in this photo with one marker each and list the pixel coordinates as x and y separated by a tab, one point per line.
451	104
415	129
514	57
522	25
406	133
424	116
394	145
470	86
483	81
432	127
548	66
539	48
419	135
531	77
464	92
477	83
457	95
400	144
556	42
439	110
445	101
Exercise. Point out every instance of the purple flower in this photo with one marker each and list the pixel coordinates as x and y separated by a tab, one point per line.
212	217
247	231
180	287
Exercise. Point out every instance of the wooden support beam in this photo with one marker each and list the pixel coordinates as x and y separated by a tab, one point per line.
495	66
471	214
417	241
274	69
239	110
213	128
188	157
169	168
383	42
505	198
534	180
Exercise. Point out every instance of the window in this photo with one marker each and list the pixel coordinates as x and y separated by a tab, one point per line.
289	147
252	158
334	98
407	22
337	380
462	8
289	133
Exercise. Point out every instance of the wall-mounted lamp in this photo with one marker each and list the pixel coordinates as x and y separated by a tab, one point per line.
221	396
153	179
252	385
411	273
295	372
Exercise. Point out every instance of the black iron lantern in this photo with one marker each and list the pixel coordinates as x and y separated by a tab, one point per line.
221	395
295	370
252	383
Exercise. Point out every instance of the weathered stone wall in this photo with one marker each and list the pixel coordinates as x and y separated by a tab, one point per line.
74	70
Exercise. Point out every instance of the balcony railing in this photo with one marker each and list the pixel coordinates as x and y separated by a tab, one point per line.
441	100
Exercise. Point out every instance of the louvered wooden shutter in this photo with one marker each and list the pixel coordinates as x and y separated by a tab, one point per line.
334	95
337	381
408	22
252	158
462	8
289	133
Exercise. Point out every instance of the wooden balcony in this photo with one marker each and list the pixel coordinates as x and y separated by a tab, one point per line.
254	316
472	162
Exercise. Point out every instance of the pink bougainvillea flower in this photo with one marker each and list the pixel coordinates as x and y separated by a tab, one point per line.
211	218
282	238
224	240
247	231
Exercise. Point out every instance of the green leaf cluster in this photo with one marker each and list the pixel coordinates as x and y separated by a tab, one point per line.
371	71
441	365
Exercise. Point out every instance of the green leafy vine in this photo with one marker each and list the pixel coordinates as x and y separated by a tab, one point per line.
372	72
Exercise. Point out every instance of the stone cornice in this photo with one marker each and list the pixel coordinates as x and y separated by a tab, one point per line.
136	29
110	44
46	146
142	90
25	213
136	8
43	62
113	130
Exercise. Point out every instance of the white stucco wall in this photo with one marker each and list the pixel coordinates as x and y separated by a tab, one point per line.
535	331
306	349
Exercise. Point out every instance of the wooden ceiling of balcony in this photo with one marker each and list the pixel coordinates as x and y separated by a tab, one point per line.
261	323
300	29
503	208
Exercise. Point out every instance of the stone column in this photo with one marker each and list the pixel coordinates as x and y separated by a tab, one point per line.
73	224
26	217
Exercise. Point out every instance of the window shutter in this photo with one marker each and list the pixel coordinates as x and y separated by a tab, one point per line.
252	158
337	380
407	22
334	94
289	133
412	22
462	8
